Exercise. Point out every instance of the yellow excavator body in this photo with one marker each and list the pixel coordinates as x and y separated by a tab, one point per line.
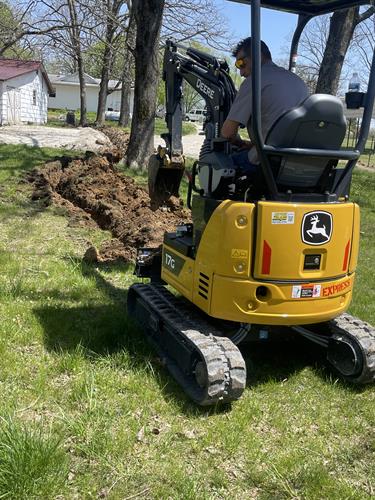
270	254
272	263
272	251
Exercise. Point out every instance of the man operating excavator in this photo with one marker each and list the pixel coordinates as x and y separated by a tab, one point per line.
281	90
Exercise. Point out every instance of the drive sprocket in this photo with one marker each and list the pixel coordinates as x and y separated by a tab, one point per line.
351	349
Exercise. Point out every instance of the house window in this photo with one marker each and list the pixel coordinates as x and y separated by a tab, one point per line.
34	97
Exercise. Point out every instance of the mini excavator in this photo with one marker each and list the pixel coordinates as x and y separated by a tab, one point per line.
269	256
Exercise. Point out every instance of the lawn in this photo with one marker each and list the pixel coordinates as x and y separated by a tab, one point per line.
88	412
160	125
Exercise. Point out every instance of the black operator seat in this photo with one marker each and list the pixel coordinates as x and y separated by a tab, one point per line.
318	123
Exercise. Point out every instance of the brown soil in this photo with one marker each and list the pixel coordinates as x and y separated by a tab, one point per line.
96	194
118	137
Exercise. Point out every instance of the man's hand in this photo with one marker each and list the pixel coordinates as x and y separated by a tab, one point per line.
244	145
230	131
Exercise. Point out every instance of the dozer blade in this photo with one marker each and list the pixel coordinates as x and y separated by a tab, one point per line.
209	368
164	178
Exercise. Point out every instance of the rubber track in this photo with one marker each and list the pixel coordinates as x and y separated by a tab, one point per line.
363	334
224	364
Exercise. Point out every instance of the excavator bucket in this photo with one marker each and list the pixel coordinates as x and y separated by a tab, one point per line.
164	176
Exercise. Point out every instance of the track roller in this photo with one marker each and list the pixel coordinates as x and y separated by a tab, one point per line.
209	368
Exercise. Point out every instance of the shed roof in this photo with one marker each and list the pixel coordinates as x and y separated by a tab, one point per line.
11	68
73	79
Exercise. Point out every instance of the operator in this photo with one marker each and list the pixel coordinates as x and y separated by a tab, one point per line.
281	90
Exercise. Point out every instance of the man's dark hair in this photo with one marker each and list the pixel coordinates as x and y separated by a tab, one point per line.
245	45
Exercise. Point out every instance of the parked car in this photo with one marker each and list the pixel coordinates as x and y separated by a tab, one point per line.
195	115
112	115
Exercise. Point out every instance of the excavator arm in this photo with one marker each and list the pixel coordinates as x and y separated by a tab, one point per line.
210	77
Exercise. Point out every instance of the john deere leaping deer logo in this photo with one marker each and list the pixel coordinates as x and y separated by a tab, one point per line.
316	228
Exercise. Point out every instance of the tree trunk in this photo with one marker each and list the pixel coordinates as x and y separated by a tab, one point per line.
343	23
75	36
104	77
103	90
82	94
127	74
148	15
124	119
113	10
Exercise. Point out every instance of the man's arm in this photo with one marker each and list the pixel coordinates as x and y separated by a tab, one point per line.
230	131
239	114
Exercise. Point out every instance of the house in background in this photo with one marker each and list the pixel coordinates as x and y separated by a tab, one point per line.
67	94
24	91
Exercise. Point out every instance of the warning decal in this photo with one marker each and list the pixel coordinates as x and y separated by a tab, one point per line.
239	253
282	217
306	291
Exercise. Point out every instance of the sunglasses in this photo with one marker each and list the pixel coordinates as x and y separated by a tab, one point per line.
240	63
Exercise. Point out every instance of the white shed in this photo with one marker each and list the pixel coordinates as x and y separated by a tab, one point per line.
67	94
24	90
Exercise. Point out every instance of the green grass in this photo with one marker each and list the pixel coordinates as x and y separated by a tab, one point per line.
32	461
160	125
363	189
88	412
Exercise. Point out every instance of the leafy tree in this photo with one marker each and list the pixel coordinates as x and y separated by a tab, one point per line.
93	56
7	26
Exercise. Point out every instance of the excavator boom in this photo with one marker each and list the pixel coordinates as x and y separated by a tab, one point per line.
210	78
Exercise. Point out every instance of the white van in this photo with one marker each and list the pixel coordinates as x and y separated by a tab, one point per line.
195	115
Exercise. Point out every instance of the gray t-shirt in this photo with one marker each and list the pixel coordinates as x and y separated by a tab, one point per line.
281	90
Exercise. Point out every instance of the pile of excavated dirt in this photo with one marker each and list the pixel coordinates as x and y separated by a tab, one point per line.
118	137
96	194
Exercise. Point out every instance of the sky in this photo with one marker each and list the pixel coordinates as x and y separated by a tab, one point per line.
277	27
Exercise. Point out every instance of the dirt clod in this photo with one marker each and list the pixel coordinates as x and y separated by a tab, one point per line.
94	192
91	255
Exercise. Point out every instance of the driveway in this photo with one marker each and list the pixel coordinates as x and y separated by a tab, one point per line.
83	139
191	143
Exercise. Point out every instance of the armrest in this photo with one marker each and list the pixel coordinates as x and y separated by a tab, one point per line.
315	153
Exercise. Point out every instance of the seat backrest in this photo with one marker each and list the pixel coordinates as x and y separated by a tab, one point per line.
318	123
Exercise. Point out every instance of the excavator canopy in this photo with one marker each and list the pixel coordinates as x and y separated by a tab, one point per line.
308	7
